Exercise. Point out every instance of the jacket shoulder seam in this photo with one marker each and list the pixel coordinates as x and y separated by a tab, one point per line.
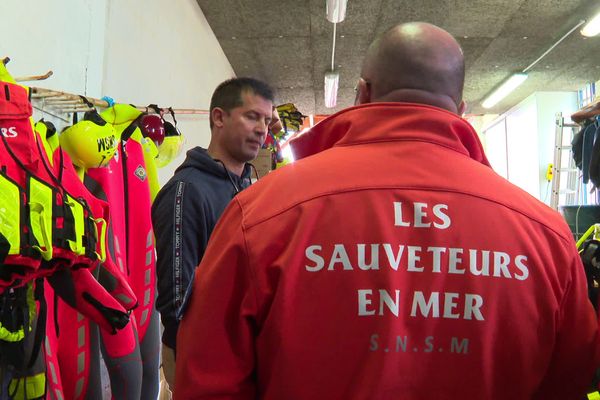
253	281
333	192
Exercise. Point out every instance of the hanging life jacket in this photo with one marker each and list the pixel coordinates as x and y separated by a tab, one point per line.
55	225
22	222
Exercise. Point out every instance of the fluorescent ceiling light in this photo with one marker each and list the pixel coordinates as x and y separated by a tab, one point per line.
504	90
336	10
592	28
332	80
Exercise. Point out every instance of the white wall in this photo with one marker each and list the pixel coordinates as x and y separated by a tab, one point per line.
136	51
529	129
495	149
64	36
164	51
521	142
549	103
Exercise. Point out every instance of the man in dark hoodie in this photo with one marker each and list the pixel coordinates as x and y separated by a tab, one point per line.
187	208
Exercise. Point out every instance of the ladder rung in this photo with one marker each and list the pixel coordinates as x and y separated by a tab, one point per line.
567	169
571	125
567	191
564	147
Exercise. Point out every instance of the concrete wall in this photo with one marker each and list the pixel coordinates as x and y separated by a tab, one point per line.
136	51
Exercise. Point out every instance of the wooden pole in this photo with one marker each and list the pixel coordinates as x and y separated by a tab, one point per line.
34	77
61	96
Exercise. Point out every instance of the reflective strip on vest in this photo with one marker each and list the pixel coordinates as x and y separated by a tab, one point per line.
10	214
40	212
76	207
35	386
101	223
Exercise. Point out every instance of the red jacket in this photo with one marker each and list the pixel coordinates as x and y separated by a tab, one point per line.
393	264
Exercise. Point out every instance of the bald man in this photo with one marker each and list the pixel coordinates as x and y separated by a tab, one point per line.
390	261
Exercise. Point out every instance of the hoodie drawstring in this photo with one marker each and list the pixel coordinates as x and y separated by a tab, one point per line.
235	187
255	172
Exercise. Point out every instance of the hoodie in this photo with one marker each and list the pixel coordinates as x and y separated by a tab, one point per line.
184	215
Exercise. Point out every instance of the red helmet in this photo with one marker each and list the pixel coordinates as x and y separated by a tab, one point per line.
153	127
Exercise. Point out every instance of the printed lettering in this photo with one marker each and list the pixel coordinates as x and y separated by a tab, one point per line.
339	256
394	260
9	132
501	261
362	263
374	344
398	221
455	260
473	303
363	302
437	211
421	218
520	263
420	215
425	306
437	257
413	258
385	301
485	263
314	257
392	304
450	305
463	347
429	343
430	308
401	342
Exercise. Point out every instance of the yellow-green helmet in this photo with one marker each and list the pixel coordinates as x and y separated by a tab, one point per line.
172	144
169	149
91	143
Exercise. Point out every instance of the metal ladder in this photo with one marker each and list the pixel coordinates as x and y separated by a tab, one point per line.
564	164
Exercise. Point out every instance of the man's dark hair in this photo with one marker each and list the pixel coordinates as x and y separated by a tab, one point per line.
228	94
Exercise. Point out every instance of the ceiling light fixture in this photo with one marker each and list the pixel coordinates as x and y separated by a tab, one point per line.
517	79
592	28
332	81
336	10
503	90
332	77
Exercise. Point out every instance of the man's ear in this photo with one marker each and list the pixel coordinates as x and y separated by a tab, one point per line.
462	108
217	115
363	92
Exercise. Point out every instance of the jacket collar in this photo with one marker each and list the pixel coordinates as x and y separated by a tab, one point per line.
389	122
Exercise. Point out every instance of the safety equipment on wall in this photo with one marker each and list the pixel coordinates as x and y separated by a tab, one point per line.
172	146
152	127
64	225
291	118
47	130
20	248
23	355
120	114
169	150
90	143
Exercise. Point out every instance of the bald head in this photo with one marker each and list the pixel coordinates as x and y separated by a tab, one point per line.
414	62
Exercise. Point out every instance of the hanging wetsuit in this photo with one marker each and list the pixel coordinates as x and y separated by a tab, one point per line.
126	185
80	365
